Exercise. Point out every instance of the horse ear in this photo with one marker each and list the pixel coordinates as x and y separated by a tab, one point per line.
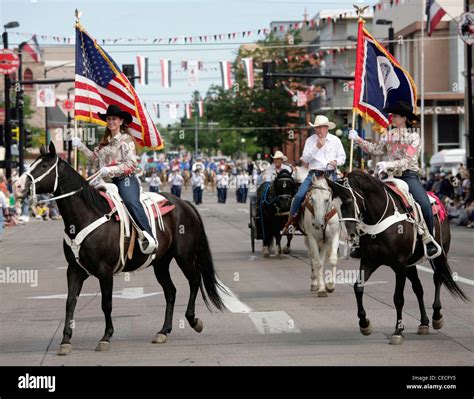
43	150
332	186
52	148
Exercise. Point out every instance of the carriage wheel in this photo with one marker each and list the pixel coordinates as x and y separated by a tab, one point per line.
253	226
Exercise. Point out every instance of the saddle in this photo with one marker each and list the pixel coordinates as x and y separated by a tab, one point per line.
400	189
155	206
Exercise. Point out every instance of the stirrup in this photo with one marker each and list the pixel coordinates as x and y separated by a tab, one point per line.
438	248
147	243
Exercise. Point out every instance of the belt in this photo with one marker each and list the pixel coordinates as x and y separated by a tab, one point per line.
319	172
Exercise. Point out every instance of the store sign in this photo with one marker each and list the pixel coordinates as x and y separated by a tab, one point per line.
466	27
445	110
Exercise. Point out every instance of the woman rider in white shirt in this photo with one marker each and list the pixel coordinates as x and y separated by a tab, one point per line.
403	147
117	160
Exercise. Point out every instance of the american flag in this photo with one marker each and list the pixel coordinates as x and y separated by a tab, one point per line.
100	82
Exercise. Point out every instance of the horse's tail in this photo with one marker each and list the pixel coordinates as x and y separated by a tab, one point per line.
440	265
210	284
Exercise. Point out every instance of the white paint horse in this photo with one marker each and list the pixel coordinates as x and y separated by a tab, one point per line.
320	223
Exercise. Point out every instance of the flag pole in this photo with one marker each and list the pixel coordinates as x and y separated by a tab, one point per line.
351	153
77	14
360	11
422	85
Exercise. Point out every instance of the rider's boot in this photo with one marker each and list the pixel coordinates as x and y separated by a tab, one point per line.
290	225
147	243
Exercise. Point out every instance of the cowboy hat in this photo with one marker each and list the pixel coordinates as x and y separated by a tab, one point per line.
322	120
402	108
280	155
114	110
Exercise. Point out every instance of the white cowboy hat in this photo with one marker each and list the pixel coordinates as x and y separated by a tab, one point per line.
280	155
322	120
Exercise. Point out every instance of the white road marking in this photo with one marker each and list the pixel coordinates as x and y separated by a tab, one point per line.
351	282
203	209
458	278
61	267
242	210
276	322
231	302
126	293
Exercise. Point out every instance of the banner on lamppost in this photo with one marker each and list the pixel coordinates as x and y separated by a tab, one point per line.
45	96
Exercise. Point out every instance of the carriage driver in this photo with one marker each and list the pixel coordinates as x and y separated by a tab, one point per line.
117	160
276	167
322	154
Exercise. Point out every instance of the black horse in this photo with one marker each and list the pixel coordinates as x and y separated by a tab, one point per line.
371	202
183	239
274	201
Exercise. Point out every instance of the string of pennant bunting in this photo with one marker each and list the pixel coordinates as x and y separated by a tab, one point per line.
189	108
212	38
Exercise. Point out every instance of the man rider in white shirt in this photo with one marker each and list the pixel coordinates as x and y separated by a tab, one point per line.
322	154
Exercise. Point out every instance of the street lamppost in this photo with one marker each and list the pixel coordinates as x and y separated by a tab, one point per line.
8	132
46	70
391	34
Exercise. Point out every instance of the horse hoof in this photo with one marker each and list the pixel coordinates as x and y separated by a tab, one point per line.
266	252
160	339
330	288
64	349
366	330
423	330
438	324
322	294
102	346
396	340
199	326
314	287
286	250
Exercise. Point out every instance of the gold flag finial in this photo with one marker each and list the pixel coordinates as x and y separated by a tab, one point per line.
360	10
78	15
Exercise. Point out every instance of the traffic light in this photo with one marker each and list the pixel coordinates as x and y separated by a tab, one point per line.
15	135
268	80
129	72
28	139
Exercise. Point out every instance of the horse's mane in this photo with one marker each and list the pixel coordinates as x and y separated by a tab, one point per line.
283	173
73	181
364	181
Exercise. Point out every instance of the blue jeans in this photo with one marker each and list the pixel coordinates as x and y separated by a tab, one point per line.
25	207
304	187
129	189
1	222
176	190
197	194
419	194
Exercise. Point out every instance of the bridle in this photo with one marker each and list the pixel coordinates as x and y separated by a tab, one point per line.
280	197
357	213
35	180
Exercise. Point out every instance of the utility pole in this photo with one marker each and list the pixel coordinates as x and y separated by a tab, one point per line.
7	129
470	119
19	110
196	136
